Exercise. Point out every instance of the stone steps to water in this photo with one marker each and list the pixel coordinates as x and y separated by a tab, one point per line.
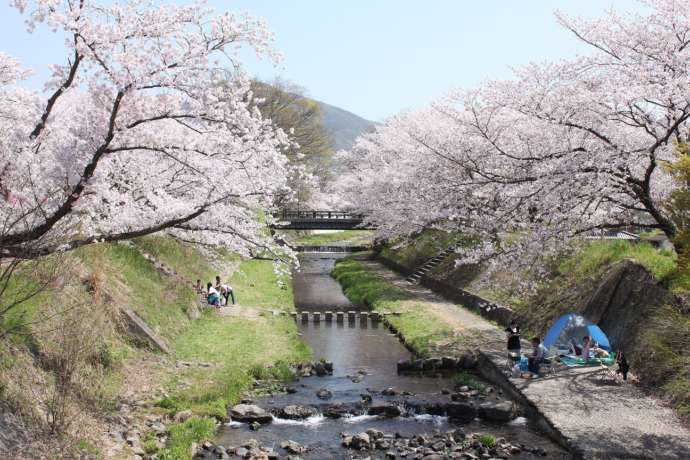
430	264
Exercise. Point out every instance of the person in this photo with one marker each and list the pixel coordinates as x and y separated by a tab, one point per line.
536	357
198	287
586	343
227	293
218	283
513	333
623	366
599	352
213	297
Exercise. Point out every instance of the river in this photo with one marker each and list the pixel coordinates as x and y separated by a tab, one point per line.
364	356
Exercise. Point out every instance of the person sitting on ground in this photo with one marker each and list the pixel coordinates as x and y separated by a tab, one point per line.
513	332
599	352
227	293
537	356
213	297
586	344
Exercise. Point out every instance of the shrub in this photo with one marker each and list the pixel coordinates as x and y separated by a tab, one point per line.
487	441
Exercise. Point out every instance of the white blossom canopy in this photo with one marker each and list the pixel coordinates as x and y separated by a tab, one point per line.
143	129
558	151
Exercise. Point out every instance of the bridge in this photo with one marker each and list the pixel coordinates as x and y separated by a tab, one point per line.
319	220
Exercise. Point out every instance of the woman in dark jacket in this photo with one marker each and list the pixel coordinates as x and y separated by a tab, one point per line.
513	332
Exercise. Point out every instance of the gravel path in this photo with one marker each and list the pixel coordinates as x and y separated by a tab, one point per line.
601	417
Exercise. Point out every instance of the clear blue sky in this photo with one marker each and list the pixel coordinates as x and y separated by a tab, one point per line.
376	57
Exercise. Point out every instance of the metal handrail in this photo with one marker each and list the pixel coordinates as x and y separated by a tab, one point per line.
288	215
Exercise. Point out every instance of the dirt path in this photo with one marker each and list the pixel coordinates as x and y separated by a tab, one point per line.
600	417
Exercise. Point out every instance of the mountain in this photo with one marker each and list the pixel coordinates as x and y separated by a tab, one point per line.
345	126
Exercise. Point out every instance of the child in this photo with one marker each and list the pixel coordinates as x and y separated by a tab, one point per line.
213	297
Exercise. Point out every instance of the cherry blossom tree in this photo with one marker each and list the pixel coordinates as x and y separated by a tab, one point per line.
148	126
557	152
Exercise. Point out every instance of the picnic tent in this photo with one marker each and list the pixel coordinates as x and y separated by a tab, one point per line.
575	327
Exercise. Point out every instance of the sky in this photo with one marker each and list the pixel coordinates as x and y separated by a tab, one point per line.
376	57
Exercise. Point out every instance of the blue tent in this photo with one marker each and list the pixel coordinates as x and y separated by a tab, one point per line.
574	327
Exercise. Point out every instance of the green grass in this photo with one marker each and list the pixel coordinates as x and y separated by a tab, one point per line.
256	284
182	435
469	380
487	441
354	237
184	258
239	350
17	319
590	258
161	301
421	329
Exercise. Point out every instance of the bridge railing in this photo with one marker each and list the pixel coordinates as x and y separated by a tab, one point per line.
288	215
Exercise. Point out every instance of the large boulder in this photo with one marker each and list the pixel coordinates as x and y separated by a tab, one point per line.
385	410
502	411
295	412
454	410
249	413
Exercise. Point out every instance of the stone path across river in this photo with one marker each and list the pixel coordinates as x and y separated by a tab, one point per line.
599	418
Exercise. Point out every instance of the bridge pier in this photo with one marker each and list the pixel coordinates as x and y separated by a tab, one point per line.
305	317
316	316
351	316
340	317
328	316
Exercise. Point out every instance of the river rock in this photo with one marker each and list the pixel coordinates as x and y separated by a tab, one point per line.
502	411
292	447
249	413
385	410
389	392
295	412
360	441
324	393
467	361
241	452
320	369
335	411
183	416
456	410
375	434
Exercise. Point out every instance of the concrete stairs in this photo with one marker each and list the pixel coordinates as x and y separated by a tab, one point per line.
430	264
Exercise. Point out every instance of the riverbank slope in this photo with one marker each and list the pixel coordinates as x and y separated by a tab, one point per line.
123	397
596	419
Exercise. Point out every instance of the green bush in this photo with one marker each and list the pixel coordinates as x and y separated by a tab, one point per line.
487	441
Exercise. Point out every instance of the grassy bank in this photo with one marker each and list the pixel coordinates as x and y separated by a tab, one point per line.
225	353
421	329
572	278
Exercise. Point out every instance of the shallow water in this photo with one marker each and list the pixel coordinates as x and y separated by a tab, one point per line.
313	287
360	350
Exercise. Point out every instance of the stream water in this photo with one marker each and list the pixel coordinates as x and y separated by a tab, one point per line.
364	356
